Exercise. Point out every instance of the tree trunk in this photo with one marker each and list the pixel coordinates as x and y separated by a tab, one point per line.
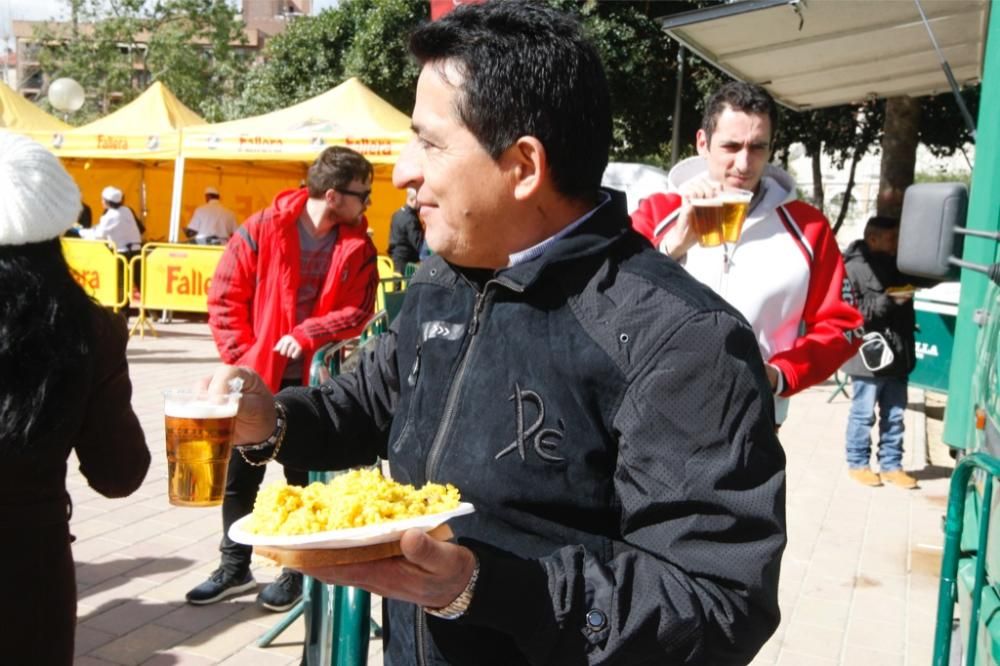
845	204
899	153
817	171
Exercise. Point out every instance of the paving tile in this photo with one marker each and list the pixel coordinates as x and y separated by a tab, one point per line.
128	616
887	636
87	639
259	657
793	658
822	612
140	645
104	568
87	660
222	640
177	658
879	609
812	640
193	619
826	587
859	655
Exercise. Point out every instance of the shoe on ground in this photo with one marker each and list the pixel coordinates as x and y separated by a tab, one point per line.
898	477
283	593
865	476
219	586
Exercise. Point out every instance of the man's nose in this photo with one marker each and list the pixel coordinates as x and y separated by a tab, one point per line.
407	172
742	161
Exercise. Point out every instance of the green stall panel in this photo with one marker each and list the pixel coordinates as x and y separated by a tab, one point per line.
935	335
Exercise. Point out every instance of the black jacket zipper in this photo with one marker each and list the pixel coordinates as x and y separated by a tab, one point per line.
448	414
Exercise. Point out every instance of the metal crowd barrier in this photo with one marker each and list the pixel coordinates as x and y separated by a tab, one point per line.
948	587
338	619
102	272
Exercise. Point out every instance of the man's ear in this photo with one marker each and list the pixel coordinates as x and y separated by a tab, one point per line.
332	197
701	142
527	164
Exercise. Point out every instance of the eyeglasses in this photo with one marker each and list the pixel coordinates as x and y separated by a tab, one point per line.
364	197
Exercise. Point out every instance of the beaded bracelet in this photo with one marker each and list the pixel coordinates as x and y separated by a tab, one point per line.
275	440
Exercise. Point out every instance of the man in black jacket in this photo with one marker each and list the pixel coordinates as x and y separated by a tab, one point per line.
608	416
406	234
880	369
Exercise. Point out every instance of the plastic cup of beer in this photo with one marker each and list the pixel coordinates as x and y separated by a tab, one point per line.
706	220
199	433
735	204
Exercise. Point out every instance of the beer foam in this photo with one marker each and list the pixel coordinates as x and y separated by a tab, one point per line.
736	196
712	201
200	409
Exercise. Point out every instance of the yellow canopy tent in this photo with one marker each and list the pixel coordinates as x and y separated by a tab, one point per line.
20	115
134	149
276	148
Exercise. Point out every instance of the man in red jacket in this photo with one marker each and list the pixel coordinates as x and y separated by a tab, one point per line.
294	277
784	273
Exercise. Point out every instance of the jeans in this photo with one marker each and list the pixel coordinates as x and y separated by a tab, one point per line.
889	393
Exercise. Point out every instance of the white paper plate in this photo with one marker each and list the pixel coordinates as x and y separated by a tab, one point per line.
346	538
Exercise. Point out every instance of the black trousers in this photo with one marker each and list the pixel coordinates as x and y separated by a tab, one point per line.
242	483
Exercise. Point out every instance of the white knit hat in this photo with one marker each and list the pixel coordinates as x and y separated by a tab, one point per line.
38	199
112	194
211	190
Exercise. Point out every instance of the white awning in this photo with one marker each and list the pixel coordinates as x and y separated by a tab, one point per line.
816	53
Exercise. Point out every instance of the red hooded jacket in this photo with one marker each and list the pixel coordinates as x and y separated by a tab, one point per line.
251	301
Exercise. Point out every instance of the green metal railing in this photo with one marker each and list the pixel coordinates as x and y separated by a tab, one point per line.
338	619
948	590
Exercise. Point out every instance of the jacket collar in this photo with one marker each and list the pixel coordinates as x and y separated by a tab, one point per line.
605	226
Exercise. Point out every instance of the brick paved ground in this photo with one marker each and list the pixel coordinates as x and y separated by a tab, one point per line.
858	579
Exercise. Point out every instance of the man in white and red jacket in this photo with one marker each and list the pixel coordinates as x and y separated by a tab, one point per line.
785	273
294	277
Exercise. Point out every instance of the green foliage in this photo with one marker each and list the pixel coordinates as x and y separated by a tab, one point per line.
942	129
367	39
943	177
116	49
362	38
638	58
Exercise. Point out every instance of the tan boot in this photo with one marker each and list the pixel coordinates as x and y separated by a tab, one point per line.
864	476
898	477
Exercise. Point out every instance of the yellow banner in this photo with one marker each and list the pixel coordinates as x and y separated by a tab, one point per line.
176	276
96	267
379	149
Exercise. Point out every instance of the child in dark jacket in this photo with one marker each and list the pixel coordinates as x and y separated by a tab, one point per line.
880	369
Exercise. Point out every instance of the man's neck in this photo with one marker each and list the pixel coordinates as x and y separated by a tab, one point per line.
316	218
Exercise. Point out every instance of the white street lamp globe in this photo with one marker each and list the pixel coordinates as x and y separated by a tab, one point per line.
66	95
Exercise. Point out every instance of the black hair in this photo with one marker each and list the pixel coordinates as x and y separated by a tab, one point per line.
335	168
527	70
46	333
880	224
743	97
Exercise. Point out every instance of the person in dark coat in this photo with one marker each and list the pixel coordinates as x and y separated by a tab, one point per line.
406	234
880	369
64	386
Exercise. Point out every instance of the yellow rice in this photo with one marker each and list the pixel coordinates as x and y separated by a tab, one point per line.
354	499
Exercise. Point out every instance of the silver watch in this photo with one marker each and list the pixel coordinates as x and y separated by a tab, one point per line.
460	605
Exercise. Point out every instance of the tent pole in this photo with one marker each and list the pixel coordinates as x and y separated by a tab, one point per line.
175	200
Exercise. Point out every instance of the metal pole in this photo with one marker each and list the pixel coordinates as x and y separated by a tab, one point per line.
675	133
952	83
175	200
